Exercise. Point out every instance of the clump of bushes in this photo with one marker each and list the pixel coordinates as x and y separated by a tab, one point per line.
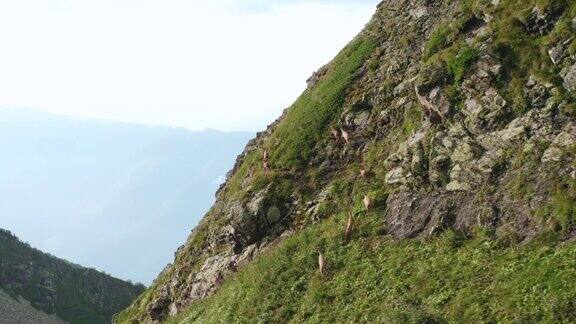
436	42
461	63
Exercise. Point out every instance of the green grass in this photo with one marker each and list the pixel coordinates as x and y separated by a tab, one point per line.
437	41
307	121
562	207
71	305
377	279
309	118
461	63
412	120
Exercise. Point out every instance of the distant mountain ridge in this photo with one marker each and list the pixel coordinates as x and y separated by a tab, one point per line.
95	191
36	287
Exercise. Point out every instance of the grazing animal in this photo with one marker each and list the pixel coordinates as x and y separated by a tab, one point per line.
367	202
335	134
265	155
345	136
321	263
348	229
266	166
363	173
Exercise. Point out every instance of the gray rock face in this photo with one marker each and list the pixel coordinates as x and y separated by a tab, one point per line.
569	76
557	54
316	76
561	145
541	22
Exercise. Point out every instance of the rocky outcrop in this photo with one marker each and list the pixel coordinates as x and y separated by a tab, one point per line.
569	76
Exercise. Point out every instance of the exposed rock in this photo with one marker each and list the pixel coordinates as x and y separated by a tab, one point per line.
209	278
561	145
489	161
557	54
418	12
485	109
19	310
395	176
362	119
435	104
456	184
569	76
316	76
553	154
503	138
463	153
438	169
540	21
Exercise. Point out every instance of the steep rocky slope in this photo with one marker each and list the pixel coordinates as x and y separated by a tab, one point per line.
38	288
455	122
19	310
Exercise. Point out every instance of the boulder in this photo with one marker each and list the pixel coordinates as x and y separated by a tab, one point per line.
395	176
463	153
557	54
569	76
561	145
418	12
540	21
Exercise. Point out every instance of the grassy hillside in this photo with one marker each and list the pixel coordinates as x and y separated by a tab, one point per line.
57	287
462	138
377	279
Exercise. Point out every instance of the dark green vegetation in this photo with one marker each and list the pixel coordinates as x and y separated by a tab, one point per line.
54	286
459	64
377	279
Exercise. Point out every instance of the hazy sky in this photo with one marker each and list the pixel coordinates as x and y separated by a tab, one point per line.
227	64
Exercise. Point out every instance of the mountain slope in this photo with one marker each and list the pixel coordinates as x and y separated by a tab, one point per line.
57	287
19	310
94	192
445	134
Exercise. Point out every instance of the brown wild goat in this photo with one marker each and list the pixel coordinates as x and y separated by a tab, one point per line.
321	263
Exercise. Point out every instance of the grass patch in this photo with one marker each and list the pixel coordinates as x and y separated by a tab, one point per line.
437	41
376	279
461	63
412	120
308	119
561	208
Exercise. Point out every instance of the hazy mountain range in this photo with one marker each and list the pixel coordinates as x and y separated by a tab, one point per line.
115	196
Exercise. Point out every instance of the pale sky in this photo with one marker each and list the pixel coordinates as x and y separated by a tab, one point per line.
225	64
